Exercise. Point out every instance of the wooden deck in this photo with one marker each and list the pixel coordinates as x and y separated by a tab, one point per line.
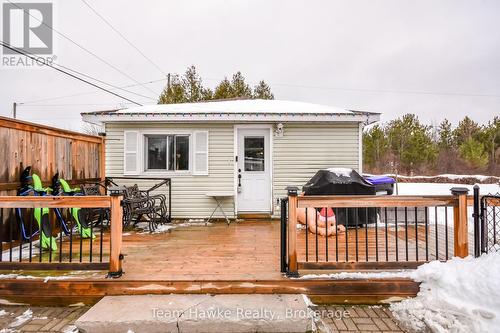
240	258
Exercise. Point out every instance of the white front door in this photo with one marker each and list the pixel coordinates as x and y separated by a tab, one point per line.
253	170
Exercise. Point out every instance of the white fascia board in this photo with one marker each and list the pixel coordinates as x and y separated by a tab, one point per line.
124	117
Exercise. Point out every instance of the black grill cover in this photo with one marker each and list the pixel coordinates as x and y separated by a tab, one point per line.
343	182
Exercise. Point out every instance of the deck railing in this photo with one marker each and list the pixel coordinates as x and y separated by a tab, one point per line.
67	249
381	232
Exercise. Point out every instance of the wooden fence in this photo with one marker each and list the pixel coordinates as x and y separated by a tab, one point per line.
402	231
77	157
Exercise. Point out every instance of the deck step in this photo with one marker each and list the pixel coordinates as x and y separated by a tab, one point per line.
198	313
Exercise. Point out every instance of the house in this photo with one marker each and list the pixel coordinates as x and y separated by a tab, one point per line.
251	149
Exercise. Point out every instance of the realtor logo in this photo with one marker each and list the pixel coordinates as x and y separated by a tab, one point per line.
27	26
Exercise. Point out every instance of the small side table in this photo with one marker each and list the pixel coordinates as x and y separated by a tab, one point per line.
218	197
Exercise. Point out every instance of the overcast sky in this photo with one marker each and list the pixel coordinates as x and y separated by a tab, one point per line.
433	58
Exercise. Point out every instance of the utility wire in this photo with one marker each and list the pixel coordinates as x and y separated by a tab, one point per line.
100	81
123	37
85	49
83	93
65	72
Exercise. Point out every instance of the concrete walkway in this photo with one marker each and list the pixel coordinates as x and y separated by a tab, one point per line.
335	318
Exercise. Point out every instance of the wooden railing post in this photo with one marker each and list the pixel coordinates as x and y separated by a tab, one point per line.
461	231
292	231
115	256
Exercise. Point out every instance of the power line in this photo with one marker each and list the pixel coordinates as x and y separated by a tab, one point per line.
384	90
84	49
83	93
65	72
123	37
108	84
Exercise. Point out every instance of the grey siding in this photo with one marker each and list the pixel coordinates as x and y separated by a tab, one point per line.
303	149
188	191
307	147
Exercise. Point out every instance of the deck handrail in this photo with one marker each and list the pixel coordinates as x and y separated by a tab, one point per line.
458	200
112	202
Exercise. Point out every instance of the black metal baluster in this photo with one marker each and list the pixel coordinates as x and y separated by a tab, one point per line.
346	235
376	236
50	236
356	216
81	242
396	226
436	224
70	222
91	241
366	234
426	235
386	236
39	244
416	234
60	239
446	230
307	241
326	233
10	240
30	240
20	244
316	219
406	232
101	218
336	237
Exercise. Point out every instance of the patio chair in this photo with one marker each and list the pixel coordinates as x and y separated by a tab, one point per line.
138	204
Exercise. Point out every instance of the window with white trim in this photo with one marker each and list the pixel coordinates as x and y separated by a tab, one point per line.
166	152
152	152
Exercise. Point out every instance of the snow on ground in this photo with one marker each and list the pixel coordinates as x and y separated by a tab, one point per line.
162	228
460	295
441	188
445	175
27	315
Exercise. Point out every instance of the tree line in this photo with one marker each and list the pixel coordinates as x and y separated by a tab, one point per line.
407	146
188	88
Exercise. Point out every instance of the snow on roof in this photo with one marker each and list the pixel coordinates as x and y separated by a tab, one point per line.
254	110
239	107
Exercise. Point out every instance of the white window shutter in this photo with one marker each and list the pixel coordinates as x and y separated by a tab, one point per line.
200	147
131	153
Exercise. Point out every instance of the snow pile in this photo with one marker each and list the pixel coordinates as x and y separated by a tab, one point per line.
360	275
341	172
461	295
3	313
27	315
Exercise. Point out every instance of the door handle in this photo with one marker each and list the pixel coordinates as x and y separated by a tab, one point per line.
239	180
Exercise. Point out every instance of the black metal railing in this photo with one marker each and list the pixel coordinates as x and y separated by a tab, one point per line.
51	233
283	234
349	232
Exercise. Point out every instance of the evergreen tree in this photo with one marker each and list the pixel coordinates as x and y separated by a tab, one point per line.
239	88
173	94
473	152
375	146
466	129
191	83
224	90
445	133
262	91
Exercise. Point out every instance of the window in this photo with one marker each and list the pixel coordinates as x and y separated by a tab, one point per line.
254	153
167	152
